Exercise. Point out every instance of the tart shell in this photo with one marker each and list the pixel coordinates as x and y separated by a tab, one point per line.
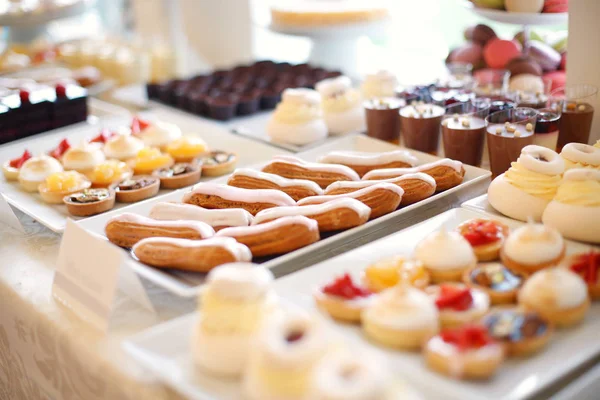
496	297
57	197
88	209
180	181
339	308
10	173
527	270
220	169
132	196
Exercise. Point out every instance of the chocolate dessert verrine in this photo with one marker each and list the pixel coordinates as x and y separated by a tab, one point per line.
449	97
463	138
530	99
505	142
421	126
501	105
546	128
575	102
383	118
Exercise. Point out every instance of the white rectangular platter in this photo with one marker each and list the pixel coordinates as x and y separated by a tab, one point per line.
187	284
55	216
165	349
481	204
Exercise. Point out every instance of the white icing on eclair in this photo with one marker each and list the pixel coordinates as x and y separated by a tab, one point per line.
231	193
558	286
581	153
533	244
311	224
541	160
354	195
277	212
178	211
240	280
277	180
203	229
318	167
237	250
386	172
362	184
443	250
582	174
368	159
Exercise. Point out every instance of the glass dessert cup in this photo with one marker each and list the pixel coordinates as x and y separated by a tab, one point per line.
547	127
491	83
576	103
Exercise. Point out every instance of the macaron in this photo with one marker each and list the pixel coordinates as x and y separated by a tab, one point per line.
563	62
498	52
556	6
524	65
468	53
558	79
545	55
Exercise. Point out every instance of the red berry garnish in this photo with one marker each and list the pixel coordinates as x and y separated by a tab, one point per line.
467	337
62	147
18	162
587	265
24	96
103	137
61	90
345	288
456	298
482	232
138	125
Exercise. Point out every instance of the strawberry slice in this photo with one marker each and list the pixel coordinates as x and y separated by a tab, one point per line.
103	136
456	298
62	147
138	125
18	162
467	337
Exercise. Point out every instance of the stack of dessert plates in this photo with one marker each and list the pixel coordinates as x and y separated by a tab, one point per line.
475	183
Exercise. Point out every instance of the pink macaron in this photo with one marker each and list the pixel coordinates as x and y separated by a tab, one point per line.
498	52
556	6
558	79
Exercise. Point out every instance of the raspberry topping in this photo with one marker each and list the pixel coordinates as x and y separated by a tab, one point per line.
24	96
467	337
61	90
18	162
482	232
586	265
138	125
344	287
456	298
62	147
103	136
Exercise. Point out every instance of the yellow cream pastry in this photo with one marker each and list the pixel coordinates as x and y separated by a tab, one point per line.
579	155
342	105
35	170
109	172
575	210
61	184
83	158
389	272
149	159
123	147
298	119
528	186
186	148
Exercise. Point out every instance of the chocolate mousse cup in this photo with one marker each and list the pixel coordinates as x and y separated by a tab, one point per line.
507	133
575	101
463	131
383	119
421	127
547	128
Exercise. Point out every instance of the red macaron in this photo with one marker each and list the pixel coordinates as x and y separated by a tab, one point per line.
556	6
498	52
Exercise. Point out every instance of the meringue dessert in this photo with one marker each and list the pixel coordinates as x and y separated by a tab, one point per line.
83	158
35	170
285	353
380	84
579	155
61	184
531	248
401	317
445	255
342	106
575	210
159	134
558	295
298	119
123	147
529	185
238	296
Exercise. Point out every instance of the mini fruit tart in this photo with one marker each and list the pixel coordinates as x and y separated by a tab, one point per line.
499	282
60	184
217	163
468	352
149	160
136	188
60	149
109	172
83	157
343	299
11	168
90	202
179	175
587	266
186	148
486	236
390	271
521	332
458	304
34	171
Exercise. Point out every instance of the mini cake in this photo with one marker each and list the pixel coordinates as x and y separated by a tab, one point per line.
521	332
236	300
575	210
186	148
123	147
109	172
579	155
298	119
284	356
529	185
499	282
485	236
445	255
587	265
159	134
83	158
401	317
388	272
90	202
35	170
468	352
558	295
11	168
342	106
60	184
343	299
381	84
531	248
458	304
150	159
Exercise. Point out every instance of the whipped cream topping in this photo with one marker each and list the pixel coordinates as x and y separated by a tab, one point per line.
445	250
297	107
38	168
390	172
354	195
580	187
123	147
241	280
203	229
379	84
311	224
533	244
558	287
242	195
333	86
541	160
301	97
214	218
277	180
397	181
318	167
582	174
581	155
160	133
237	250
277	212
83	156
368	159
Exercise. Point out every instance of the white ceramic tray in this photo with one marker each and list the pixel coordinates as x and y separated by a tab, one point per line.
481	204
55	216
187	284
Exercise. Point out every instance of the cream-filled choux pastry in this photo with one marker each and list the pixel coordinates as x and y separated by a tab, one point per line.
123	147
445	255
579	155
284	356
528	186
380	84
558	295
531	248
401	317
343	299
575	210
237	299
35	170
159	134
342	106
298	119
83	158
